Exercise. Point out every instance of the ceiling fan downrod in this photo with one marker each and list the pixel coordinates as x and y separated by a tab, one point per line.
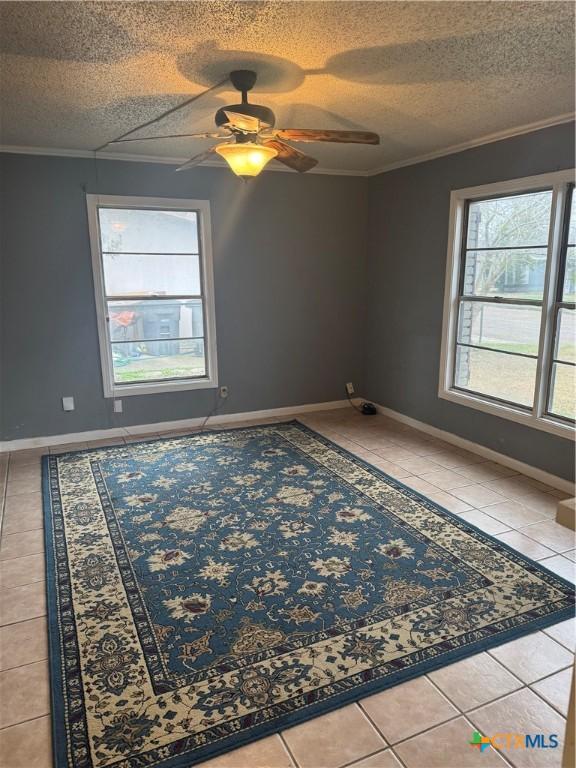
243	80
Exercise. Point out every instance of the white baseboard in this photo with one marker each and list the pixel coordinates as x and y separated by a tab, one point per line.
487	453
226	418
165	426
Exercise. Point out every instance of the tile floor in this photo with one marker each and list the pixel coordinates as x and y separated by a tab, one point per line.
424	723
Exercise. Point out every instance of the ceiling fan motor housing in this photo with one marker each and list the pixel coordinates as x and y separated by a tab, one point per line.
243	79
264	114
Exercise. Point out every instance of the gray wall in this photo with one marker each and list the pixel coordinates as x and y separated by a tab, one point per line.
319	280
408	224
290	265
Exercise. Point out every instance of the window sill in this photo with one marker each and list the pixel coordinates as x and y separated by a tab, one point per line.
151	388
543	423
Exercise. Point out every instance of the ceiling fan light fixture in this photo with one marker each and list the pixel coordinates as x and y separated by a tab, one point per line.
246	159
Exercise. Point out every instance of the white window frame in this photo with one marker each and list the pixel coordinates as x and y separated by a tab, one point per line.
202	209
559	182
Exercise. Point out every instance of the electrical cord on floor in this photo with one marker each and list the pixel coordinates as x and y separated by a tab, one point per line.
366	409
356	407
213	412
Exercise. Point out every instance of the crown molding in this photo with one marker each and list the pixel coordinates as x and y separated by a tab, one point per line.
489	138
414	160
133	158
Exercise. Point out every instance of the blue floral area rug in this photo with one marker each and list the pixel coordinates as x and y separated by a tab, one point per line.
208	590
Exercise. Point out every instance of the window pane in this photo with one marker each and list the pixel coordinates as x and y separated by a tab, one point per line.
127	274
496	374
148	231
566	336
157	361
569	290
572	226
518	220
500	326
563	390
164	319
510	274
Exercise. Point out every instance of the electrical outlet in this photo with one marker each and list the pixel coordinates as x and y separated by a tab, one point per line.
117	406
68	403
223	392
350	388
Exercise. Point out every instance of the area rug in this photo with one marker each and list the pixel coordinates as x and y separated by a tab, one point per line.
208	590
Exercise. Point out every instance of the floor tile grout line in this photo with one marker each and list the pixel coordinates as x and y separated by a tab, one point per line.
23	493
486	512
534	488
375	728
497	751
427	730
27	583
502	756
394	444
397	756
15	465
28	720
441	692
401	741
546	701
5	559
30	618
356	760
370	720
29	664
445	695
562	669
288	750
494	700
22	621
504	667
507	696
522	530
490	651
4	494
19	666
464	712
25	530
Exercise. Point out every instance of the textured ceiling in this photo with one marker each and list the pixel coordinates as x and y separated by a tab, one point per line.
424	75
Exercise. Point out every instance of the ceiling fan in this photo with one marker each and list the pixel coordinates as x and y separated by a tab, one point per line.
249	140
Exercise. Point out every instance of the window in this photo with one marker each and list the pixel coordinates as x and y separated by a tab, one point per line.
562	385
154	293
509	332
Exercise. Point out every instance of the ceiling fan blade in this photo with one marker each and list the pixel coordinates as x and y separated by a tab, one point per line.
339	137
244	123
291	157
206	135
197	159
